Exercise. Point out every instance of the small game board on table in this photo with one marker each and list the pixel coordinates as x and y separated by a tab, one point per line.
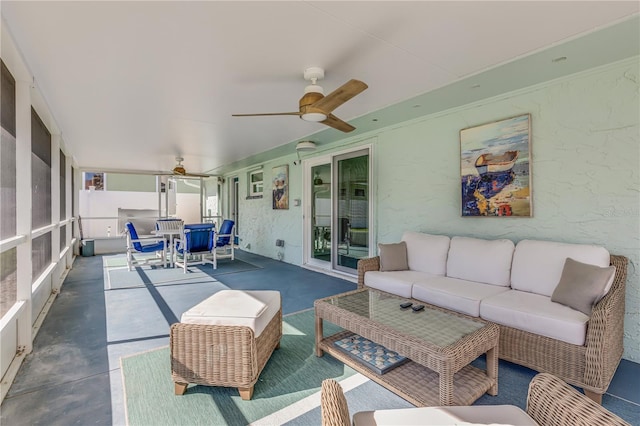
371	354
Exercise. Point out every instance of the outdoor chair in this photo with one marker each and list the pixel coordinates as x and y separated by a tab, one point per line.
225	243
196	241
169	228
135	244
550	402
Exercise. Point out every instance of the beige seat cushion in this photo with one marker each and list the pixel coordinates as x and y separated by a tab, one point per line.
253	309
395	282
536	314
455	294
458	415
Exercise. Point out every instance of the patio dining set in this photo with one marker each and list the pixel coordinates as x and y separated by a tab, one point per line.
176	244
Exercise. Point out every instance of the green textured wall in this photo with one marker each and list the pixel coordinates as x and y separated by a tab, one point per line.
585	174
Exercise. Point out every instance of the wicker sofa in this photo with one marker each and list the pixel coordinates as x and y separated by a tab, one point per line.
550	402
588	357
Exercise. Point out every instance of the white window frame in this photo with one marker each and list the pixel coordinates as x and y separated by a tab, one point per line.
256	188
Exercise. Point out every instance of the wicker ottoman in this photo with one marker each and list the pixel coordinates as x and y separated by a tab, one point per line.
226	340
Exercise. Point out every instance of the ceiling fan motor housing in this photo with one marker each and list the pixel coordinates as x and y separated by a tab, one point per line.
313	73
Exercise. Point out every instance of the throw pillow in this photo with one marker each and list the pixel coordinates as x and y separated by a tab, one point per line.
393	257
582	285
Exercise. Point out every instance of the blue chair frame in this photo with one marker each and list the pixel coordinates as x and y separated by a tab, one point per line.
196	240
135	244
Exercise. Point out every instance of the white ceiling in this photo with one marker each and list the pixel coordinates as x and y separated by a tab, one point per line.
133	84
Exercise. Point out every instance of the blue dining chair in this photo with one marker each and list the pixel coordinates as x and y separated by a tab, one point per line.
224	243
196	240
135	244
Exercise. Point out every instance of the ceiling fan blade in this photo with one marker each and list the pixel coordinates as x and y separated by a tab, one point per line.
266	113
199	175
336	123
339	96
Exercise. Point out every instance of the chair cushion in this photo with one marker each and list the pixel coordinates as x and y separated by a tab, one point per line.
536	314
426	252
148	247
394	282
485	261
537	265
393	257
458	415
582	285
455	294
253	309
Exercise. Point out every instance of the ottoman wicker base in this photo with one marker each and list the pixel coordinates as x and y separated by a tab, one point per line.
220	355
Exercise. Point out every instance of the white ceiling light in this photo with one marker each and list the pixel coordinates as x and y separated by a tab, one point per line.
313	116
305	146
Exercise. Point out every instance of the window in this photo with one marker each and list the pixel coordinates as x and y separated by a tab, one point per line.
63	237
8	258
8	156
63	186
40	172
73	198
40	255
8	276
40	194
256	183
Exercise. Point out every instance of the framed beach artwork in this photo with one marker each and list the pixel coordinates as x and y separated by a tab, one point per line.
280	186
495	168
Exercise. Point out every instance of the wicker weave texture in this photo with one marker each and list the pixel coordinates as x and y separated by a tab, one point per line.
335	411
590	366
552	402
216	355
444	361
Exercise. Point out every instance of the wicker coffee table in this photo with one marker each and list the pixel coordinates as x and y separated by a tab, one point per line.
439	344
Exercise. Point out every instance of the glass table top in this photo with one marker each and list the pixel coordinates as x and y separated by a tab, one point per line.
434	326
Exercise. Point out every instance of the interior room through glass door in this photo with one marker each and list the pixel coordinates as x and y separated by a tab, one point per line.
351	207
321	212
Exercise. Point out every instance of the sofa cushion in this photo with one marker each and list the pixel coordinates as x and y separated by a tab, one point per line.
485	261
537	265
582	285
393	257
455	415
455	294
253	309
395	282
426	252
536	314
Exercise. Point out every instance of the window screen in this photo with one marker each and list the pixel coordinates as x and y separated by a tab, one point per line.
40	254
8	155
40	172
63	186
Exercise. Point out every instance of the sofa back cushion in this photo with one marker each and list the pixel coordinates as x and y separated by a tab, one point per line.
537	265
426	252
485	261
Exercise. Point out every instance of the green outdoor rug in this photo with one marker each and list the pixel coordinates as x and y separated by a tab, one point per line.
117	276
292	373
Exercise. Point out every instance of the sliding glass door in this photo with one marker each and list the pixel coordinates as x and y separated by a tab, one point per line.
321	212
337	214
351	207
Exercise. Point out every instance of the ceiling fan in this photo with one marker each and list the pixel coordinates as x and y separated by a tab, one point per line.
179	170
314	106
